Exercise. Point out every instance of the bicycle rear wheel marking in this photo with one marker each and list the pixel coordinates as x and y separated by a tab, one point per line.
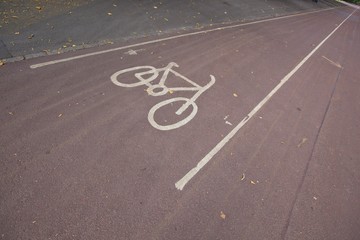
142	81
175	125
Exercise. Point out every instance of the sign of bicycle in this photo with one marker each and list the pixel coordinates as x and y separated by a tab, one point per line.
146	75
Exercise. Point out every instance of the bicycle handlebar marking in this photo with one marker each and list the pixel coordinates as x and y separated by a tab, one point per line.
140	74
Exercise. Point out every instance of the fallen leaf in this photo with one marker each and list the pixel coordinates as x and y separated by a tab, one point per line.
60	115
31	36
17	33
302	142
38	8
2	63
235	95
222	215
171	91
252	182
242	177
109	13
332	62
166	19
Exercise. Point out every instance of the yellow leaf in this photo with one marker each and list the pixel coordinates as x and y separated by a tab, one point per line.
242	177
222	215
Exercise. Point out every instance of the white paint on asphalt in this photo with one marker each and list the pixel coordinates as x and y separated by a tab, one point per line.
145	75
183	181
167	39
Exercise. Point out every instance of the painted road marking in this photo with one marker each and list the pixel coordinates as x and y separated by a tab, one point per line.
183	181
146	74
169	38
349	4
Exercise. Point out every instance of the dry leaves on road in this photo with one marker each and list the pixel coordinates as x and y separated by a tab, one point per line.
222	215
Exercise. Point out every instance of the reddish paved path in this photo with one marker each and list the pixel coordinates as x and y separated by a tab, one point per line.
79	159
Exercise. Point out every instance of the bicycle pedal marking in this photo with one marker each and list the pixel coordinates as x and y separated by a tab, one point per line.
146	74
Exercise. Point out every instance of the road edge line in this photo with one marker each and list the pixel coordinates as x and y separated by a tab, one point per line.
43	64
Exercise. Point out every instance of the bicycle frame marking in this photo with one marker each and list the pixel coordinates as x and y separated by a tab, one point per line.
154	73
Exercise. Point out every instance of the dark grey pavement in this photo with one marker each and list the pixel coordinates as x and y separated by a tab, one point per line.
83	23
80	160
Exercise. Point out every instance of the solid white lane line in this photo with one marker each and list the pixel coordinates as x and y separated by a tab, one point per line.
166	39
183	181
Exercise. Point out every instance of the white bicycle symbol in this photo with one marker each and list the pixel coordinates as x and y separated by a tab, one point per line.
146	74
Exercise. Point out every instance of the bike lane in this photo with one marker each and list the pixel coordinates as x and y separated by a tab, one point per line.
105	162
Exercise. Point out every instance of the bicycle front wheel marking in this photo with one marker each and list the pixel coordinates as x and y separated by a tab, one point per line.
175	125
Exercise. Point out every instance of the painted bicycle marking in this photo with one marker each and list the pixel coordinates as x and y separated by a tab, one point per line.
147	74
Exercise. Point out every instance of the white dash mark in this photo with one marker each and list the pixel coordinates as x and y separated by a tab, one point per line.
228	123
133	52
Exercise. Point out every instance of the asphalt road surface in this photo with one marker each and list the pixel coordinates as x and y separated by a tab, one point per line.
253	134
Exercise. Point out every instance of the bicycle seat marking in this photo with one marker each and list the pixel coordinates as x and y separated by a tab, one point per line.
145	75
